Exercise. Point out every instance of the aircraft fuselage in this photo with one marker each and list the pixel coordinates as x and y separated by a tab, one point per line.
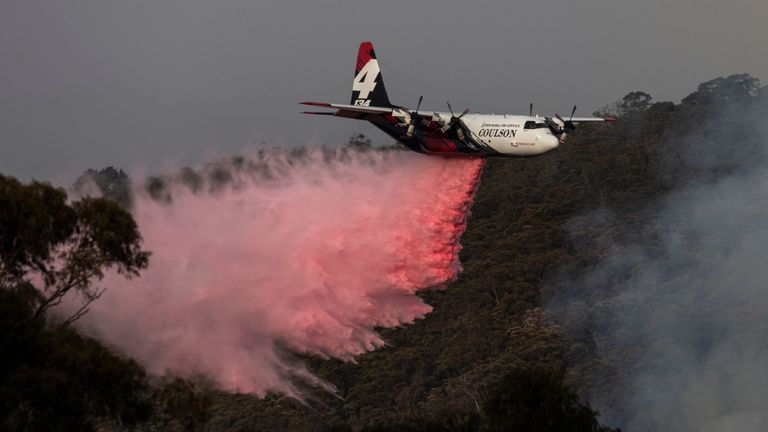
481	134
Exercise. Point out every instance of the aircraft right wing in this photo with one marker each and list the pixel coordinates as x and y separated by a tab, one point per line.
592	119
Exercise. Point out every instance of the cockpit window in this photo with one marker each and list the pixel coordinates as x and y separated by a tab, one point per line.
534	125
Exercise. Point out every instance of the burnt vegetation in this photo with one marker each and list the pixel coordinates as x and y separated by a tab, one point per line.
493	355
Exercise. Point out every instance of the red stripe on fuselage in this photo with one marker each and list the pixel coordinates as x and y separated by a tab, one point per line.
438	143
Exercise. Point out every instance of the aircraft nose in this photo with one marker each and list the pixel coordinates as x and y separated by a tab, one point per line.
549	142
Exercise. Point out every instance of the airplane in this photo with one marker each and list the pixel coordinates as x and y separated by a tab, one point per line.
444	133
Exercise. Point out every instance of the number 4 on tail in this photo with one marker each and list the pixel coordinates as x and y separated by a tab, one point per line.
365	81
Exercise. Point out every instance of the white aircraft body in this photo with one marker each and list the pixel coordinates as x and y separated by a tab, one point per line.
444	133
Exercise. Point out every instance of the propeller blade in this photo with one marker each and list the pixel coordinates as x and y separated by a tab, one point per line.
530	109
454	121
572	113
413	118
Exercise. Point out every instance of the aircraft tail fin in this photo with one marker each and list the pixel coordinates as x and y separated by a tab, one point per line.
368	86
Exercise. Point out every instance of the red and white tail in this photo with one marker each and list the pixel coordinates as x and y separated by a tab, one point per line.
368	86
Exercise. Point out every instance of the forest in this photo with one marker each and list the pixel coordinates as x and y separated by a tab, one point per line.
512	344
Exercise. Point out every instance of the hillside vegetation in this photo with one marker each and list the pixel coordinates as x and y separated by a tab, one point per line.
497	353
533	229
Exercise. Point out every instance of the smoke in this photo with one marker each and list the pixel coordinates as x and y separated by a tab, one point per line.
679	313
268	254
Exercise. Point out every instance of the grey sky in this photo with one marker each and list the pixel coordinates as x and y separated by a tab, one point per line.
149	83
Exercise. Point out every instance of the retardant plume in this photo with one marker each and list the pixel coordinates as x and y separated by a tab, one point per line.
308	252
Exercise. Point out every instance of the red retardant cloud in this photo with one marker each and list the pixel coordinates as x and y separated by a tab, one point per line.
308	255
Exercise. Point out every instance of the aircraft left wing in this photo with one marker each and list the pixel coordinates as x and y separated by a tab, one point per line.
343	109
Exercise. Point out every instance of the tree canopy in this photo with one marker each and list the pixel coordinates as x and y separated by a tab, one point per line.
61	247
51	377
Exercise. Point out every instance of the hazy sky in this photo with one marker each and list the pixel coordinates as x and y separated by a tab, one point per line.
151	83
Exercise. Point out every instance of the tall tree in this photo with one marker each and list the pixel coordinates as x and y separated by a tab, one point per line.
60	247
112	183
636	101
51	377
734	88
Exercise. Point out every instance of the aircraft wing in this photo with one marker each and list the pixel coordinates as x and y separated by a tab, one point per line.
343	110
592	119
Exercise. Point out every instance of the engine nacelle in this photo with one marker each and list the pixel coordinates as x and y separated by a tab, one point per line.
556	124
403	117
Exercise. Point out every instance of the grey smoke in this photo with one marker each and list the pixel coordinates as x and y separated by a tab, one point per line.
679	314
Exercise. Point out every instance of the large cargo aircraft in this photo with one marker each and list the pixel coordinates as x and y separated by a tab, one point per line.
444	133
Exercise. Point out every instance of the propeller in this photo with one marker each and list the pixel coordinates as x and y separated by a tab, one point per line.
564	126
530	110
569	124
414	118
559	126
454	121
